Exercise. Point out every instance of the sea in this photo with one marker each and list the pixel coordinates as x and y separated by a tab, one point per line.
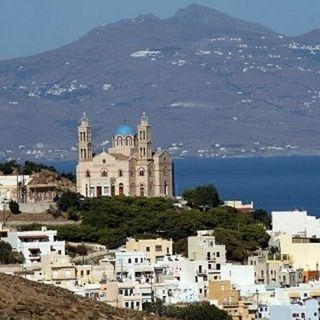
274	183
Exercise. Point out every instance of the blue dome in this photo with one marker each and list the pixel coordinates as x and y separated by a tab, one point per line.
125	130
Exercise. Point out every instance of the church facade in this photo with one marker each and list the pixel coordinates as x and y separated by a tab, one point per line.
130	167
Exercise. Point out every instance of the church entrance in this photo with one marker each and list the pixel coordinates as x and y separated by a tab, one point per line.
99	191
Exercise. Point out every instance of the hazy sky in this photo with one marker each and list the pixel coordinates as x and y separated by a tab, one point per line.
32	26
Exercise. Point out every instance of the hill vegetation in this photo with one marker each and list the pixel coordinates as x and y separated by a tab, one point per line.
110	220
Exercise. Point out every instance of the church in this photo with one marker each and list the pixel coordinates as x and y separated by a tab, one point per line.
130	167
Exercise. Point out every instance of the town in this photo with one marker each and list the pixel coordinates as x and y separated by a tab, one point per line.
121	237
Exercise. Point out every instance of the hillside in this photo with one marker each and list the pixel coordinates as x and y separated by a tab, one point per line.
21	299
207	81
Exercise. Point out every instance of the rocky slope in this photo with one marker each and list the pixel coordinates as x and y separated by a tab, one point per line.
207	81
21	299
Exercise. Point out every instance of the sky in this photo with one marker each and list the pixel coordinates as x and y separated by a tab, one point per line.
32	26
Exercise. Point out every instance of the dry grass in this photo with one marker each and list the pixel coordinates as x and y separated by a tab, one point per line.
27	300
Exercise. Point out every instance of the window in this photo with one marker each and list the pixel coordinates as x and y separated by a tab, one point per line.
208	255
104	173
104	161
218	266
88	272
168	250
148	249
141	190
120	173
218	254
158	248
129	260
136	260
88	174
121	189
141	172
106	191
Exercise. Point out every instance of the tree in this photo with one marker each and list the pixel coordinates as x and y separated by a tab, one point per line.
203	197
7	255
68	200
192	311
14	207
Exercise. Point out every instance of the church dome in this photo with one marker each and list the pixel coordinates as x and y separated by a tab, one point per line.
125	130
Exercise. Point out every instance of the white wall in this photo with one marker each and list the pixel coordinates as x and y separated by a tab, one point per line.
241	275
295	222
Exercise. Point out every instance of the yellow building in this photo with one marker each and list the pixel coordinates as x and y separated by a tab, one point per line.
129	168
304	253
154	249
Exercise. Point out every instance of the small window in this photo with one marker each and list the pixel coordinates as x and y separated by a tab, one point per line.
158	248
141	172
148	249
88	174
120	173
104	173
104	161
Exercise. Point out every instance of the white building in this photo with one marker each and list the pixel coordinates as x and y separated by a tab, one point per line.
203	247
300	310
295	223
239	275
34	244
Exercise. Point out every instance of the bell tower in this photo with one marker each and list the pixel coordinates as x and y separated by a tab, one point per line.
144	139
85	139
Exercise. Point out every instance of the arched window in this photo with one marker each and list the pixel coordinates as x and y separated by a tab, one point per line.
165	188
120	173
132	172
141	172
128	141
88	175
119	141
104	173
141	190
165	171
121	189
133	187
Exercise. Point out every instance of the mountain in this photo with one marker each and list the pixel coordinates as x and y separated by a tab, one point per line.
211	84
23	300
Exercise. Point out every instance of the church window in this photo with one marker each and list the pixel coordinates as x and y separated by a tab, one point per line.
104	173
121	189
119	141
104	161
144	151
92	192
140	135
106	191
144	135
133	187
141	190
165	171
88	174
165	188
140	152
128	141
141	172
120	173
132	172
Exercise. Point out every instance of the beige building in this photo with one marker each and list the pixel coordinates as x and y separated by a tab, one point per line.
222	294
203	247
304	252
129	168
154	249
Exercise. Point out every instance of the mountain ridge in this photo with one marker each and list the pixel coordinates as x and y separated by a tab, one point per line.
231	89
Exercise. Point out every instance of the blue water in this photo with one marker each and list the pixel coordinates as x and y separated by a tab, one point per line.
272	183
